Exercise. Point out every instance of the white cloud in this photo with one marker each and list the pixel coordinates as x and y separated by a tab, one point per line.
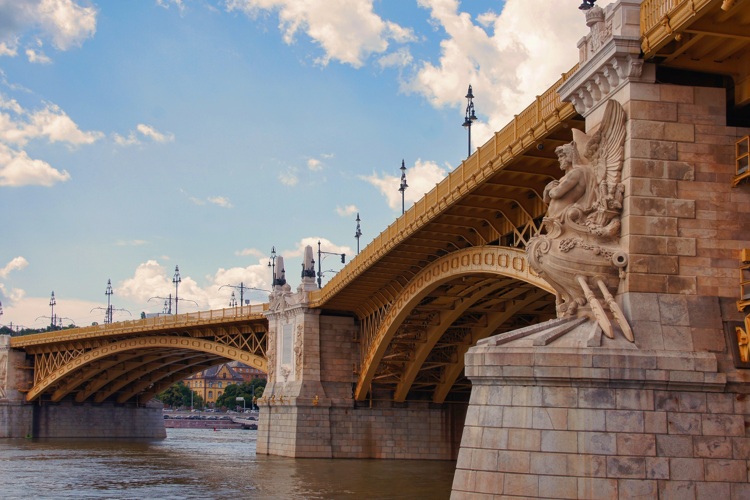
9	48
17	169
33	312
326	245
152	284
400	58
348	31
517	55
421	178
220	201
289	177
314	164
252	252
37	57
153	134
130	243
167	3
18	127
146	131
16	264
65	22
50	122
347	210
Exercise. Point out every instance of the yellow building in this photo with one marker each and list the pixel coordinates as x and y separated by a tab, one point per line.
210	383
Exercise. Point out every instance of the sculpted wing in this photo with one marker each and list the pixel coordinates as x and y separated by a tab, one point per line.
611	152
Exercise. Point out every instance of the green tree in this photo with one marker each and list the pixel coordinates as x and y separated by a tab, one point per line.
246	390
178	395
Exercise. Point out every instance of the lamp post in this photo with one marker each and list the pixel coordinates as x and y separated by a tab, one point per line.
586	5
403	186
272	265
242	287
176	280
233	301
168	303
320	258
108	293
470	116
358	233
52	303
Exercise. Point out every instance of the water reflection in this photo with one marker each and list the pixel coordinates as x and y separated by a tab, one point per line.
200	463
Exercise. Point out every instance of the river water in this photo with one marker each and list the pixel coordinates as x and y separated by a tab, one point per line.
204	464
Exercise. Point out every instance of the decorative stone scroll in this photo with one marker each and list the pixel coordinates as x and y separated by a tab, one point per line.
580	254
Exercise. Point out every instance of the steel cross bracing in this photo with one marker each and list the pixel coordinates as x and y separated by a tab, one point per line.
134	361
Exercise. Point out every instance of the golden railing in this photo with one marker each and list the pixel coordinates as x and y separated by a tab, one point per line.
165	322
542	115
662	19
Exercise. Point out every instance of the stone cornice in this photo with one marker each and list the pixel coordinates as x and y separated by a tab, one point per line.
615	64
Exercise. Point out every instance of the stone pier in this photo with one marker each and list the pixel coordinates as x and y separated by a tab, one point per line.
308	408
19	419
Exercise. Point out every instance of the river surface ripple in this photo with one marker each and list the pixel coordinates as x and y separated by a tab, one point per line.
205	464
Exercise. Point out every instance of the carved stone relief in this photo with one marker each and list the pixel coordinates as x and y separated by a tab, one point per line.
579	255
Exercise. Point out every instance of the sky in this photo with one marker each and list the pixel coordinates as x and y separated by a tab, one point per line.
141	135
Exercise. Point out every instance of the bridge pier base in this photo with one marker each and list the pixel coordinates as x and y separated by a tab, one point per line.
308	408
605	422
19	419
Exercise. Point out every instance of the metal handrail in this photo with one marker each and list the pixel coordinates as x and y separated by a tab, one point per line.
146	324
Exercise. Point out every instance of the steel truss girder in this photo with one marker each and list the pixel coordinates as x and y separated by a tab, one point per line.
62	368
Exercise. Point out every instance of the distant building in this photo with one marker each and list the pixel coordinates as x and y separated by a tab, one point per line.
248	373
210	383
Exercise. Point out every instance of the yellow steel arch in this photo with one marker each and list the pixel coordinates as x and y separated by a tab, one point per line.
145	343
501	261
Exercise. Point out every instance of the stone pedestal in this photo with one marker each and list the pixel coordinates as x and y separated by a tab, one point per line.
612	421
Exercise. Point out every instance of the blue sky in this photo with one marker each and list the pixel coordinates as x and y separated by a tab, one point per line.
136	136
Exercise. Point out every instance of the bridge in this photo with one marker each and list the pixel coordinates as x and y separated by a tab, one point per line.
434	335
450	271
135	360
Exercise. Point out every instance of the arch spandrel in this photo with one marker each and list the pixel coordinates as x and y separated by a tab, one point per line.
145	343
492	260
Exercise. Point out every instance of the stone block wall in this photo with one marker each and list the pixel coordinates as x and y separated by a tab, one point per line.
397	433
15	419
348	432
615	425
106	421
338	354
683	223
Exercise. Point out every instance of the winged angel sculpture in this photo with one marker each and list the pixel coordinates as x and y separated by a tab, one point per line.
579	254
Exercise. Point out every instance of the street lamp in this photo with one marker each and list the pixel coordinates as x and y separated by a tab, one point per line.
168	303
358	233
470	116
404	185
176	280
52	303
586	5
108	293
233	301
272	265
320	253
242	287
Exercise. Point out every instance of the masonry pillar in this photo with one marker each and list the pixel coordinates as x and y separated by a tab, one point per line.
294	417
560	411
15	414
